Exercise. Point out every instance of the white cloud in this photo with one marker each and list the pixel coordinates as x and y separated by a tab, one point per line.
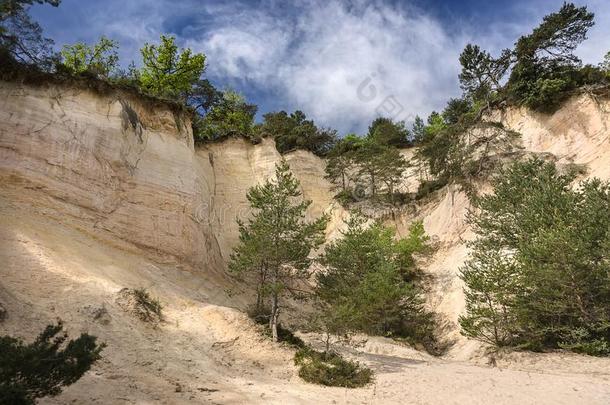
317	60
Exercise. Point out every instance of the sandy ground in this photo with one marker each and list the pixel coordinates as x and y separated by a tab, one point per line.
208	352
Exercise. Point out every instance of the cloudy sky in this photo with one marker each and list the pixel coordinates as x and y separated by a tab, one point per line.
341	62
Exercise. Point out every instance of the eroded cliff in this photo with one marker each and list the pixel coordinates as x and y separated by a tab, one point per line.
104	191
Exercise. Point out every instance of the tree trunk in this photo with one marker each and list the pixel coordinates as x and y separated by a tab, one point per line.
260	291
275	312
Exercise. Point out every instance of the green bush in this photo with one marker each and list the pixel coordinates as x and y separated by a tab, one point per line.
140	303
42	368
294	131
538	276
330	369
150	307
428	187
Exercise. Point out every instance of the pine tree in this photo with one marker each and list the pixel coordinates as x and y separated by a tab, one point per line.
539	272
369	284
276	242
42	368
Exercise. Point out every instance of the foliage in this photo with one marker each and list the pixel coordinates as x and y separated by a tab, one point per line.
230	116
168	72
330	369
539	274
428	187
276	241
339	169
150	308
384	131
370	282
369	167
22	37
605	65
294	131
482	74
100	59
139	302
546	68
438	141
42	368
203	96
418	130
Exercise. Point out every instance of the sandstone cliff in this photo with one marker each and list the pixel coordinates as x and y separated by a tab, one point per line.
100	192
124	170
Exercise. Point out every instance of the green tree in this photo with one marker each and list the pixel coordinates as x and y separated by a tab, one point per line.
369	284
42	368
539	272
393	166
370	164
386	132
546	69
229	116
168	71
339	170
276	242
605	65
435	145
418	130
100	59
455	110
295	131
203	96
21	37
482	74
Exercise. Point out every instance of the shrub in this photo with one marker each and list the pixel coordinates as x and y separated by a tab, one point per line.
168	71
230	116
330	369
428	187
139	302
100	59
42	368
294	131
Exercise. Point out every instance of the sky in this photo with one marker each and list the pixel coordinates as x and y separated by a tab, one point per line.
341	62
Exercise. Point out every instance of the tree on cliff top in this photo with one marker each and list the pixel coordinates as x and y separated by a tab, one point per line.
100	59
168	72
276	241
21	37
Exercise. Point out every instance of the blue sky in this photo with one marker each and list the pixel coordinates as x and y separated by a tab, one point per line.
342	62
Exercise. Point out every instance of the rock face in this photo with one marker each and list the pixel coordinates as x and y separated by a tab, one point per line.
128	172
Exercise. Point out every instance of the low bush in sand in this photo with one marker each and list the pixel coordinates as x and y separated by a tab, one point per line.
330	369
140	303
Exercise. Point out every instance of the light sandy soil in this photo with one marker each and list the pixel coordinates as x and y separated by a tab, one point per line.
207	352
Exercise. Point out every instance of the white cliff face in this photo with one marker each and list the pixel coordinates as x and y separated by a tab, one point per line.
128	172
579	132
110	164
227	170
